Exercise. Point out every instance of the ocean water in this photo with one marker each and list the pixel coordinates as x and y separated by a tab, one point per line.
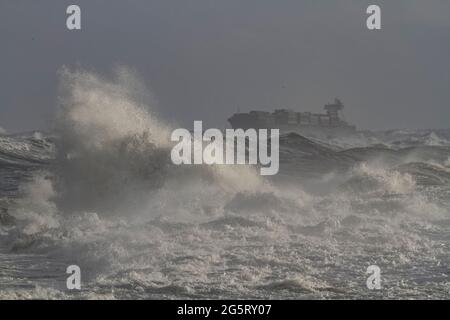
100	192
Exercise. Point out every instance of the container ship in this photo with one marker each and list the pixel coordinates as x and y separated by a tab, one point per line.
329	123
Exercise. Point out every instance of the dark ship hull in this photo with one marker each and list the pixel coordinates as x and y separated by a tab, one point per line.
300	129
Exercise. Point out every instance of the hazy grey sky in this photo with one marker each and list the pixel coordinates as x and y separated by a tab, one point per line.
202	59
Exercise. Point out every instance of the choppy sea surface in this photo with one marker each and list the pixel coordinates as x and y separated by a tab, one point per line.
100	192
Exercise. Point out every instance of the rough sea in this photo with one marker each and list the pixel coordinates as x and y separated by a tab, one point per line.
99	191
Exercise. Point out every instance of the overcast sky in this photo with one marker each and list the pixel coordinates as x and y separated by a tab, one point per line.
203	59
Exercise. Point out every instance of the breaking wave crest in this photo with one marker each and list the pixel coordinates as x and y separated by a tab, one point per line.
113	151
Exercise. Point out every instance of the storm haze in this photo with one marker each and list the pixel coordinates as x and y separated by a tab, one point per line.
203	60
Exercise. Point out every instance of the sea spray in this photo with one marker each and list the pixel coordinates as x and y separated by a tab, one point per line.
114	152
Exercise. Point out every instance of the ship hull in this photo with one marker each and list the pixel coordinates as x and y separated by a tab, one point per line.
309	130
